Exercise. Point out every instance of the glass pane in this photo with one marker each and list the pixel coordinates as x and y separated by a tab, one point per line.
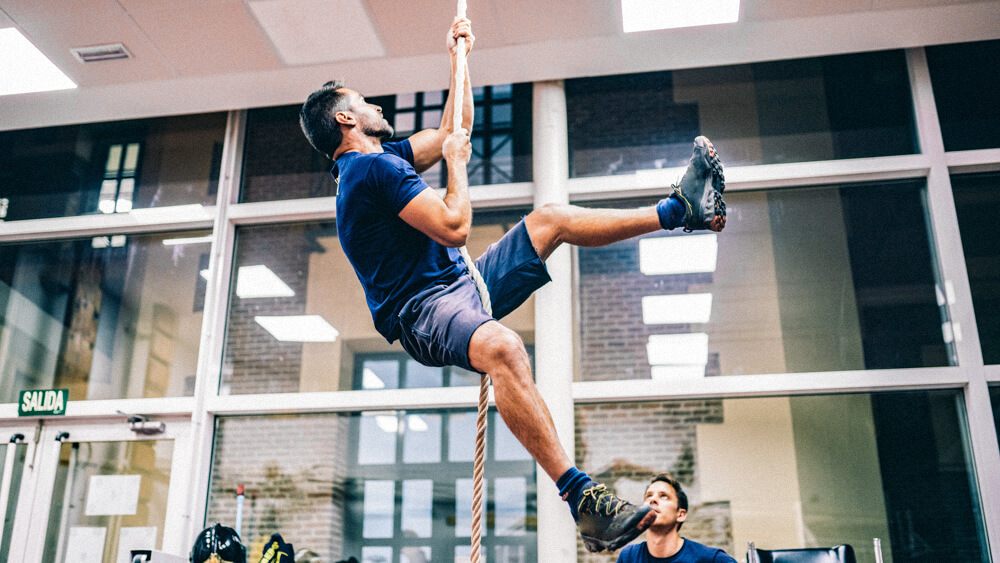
501	114
339	505
109	498
801	280
404	101
278	161
995	401
966	80
59	171
826	470
15	454
434	98
422	439
287	275
977	201
107	318
405	122
845	106
431	119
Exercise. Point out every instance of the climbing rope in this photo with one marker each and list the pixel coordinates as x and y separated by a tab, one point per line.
484	295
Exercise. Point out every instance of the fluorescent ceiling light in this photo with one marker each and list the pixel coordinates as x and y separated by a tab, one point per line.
646	15
387	422
371	381
417	423
673	373
677	349
25	69
690	254
676	309
299	328
188	240
260	281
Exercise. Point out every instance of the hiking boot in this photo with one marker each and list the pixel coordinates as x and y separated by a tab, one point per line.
700	190
608	522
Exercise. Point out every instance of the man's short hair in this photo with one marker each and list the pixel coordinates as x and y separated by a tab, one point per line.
682	498
317	117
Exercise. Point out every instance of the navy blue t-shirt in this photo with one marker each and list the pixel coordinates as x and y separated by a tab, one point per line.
393	260
691	552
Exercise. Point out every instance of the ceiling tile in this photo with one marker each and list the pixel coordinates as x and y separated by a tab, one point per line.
766	10
217	38
402	38
530	21
318	31
5	21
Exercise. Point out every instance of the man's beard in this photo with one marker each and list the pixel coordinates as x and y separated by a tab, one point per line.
382	131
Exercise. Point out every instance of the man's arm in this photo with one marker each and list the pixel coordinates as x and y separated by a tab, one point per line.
447	220
427	144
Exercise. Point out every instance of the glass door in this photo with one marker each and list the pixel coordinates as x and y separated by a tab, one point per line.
16	443
103	491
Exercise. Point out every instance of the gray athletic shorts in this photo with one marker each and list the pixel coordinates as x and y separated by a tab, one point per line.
437	323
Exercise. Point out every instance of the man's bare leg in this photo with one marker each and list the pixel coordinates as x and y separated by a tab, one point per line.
551	225
499	351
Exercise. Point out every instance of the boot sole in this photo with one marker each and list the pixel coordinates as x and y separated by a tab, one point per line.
595	545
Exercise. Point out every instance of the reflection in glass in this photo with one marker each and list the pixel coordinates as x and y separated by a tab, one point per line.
288	274
422	439
826	470
105	317
977	202
110	494
111	167
378	438
966	80
379	508
802	280
313	477
414	554
15	471
845	106
995	401
417	508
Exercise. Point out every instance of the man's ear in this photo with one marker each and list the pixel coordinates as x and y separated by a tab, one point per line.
682	514
345	118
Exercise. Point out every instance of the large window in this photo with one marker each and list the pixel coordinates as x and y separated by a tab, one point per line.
966	79
977	202
801	280
384	487
107	317
110	167
809	471
289	275
846	106
280	164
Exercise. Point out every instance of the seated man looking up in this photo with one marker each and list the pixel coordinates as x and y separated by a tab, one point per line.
663	541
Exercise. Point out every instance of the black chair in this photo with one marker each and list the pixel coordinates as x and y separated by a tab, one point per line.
839	554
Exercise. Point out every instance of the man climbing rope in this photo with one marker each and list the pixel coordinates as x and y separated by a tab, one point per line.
402	239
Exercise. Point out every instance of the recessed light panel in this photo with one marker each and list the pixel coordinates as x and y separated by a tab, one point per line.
298	328
24	69
646	15
689	254
677	349
676	309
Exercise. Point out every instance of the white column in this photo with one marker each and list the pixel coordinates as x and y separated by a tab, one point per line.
947	239
554	317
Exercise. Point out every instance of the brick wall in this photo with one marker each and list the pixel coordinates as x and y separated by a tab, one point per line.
625	444
293	468
612	333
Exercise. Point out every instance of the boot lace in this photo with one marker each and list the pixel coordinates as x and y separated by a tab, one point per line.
604	503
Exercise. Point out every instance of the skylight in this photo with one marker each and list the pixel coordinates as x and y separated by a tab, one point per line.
688	254
646	15
25	69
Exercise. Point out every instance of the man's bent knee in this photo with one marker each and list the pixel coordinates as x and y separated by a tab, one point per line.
545	227
494	346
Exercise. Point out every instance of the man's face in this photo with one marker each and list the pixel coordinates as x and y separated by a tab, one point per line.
662	497
369	117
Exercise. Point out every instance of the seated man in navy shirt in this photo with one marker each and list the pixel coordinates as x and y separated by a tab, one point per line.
663	541
402	239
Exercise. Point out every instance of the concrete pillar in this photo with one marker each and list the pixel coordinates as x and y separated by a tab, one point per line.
554	312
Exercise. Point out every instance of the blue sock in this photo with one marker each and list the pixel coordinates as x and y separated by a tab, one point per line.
671	212
571	486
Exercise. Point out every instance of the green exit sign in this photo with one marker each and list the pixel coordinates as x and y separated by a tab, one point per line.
43	402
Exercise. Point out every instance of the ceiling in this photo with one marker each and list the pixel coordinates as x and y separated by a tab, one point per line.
193	56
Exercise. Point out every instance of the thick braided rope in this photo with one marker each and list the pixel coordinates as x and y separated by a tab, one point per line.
484	294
